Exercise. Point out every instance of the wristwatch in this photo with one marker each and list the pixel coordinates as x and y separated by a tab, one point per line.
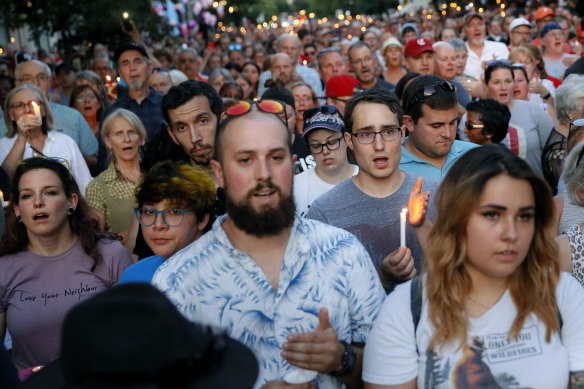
349	361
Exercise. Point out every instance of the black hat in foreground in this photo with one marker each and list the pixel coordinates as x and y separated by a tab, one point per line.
131	336
129	46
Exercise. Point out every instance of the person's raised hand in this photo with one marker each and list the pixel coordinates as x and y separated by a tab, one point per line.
27	122
418	204
319	350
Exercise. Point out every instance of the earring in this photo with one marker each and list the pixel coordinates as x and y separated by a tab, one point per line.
70	211
19	218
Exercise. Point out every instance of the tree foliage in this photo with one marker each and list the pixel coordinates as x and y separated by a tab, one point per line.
80	22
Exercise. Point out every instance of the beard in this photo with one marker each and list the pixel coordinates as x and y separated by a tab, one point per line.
202	159
135	84
268	220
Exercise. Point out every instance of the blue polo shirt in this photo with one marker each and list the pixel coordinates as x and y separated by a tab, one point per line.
412	164
141	271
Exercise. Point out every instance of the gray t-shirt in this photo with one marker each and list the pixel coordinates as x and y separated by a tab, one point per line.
533	127
36	292
374	221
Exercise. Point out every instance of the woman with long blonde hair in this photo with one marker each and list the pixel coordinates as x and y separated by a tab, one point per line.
491	307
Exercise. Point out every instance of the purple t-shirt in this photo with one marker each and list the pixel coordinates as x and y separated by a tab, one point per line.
36	292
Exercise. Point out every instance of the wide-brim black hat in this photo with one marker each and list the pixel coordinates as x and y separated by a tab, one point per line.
131	336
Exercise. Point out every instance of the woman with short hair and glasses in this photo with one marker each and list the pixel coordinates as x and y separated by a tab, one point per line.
175	204
323	131
28	118
533	125
85	99
53	256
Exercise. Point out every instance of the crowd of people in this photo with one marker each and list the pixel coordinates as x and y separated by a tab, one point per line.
388	202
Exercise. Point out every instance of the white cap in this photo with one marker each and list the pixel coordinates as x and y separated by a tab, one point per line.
519	22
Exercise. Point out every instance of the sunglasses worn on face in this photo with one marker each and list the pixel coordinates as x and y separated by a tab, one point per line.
470	126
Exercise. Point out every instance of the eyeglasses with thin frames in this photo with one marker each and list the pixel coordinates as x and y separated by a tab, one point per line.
41	77
388	134
171	217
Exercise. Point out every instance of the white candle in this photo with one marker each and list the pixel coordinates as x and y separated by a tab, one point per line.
1	200
37	111
402	227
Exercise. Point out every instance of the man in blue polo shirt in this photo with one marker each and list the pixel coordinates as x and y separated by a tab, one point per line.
431	118
135	69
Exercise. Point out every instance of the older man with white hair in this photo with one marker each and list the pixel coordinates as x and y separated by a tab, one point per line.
291	45
445	67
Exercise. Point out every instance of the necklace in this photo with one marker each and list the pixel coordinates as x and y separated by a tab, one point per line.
487	307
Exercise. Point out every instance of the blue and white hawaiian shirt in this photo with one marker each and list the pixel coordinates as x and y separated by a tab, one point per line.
213	283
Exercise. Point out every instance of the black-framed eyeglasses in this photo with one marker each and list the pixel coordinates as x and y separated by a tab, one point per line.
469	126
171	217
431	89
498	62
331	145
325	109
576	123
388	134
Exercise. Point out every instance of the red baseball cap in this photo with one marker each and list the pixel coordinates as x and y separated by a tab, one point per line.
417	46
341	85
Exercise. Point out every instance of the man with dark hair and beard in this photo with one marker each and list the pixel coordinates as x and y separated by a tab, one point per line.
301	294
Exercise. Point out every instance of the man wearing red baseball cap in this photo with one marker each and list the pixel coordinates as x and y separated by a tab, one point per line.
419	55
339	90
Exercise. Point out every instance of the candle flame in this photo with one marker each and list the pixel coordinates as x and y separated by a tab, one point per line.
34	104
108	78
404	210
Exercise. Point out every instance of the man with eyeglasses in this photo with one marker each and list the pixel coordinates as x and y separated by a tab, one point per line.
299	293
431	117
369	204
363	62
323	131
67	120
555	59
520	32
189	63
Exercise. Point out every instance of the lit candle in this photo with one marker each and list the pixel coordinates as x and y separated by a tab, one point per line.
111	89
37	111
402	227
1	200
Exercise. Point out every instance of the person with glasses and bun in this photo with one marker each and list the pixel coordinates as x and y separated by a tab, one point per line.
369	204
431	117
323	131
491	306
175	208
53	257
31	134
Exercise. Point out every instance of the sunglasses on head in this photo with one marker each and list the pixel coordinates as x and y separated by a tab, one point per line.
576	123
431	89
240	107
498	62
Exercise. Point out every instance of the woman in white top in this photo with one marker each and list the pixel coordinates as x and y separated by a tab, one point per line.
30	134
493	309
